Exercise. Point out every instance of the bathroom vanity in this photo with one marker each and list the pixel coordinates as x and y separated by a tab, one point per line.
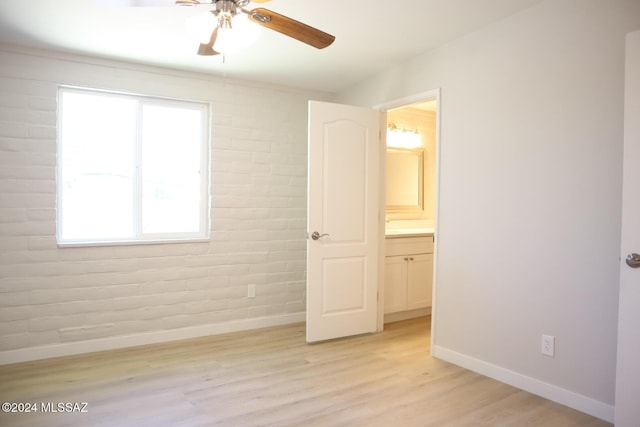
408	281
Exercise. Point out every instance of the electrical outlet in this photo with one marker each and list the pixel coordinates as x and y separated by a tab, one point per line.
548	345
251	291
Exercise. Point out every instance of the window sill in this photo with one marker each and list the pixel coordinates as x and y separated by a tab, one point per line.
133	242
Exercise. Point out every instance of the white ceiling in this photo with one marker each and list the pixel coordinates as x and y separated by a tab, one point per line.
371	35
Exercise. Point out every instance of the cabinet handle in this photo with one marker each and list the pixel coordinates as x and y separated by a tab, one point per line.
406	259
411	259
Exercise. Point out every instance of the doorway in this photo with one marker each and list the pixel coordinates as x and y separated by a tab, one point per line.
410	188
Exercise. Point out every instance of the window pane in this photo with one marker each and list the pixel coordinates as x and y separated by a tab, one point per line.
97	159
130	168
171	181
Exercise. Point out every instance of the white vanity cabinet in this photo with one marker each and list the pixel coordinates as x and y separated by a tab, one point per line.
408	278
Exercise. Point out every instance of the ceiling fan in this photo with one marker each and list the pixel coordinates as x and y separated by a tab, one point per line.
220	21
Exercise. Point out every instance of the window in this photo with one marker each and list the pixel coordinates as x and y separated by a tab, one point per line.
131	168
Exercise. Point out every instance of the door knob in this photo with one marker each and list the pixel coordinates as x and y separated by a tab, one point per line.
633	260
316	236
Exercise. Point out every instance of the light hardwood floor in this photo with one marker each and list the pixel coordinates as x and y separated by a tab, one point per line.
271	377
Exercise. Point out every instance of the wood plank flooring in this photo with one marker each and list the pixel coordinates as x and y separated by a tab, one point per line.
271	377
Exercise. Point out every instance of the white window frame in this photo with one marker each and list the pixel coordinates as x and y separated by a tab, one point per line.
204	232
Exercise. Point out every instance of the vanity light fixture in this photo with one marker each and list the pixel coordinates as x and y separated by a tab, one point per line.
401	137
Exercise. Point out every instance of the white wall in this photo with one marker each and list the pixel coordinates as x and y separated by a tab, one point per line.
58	301
530	193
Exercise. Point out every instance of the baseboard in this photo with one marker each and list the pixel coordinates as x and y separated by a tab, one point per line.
406	315
548	391
89	346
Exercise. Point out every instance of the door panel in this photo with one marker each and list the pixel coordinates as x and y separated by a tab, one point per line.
342	285
345	156
344	203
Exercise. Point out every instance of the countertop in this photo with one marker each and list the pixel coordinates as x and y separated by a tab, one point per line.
408	232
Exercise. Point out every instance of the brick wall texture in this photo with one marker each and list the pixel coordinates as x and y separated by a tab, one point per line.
51	295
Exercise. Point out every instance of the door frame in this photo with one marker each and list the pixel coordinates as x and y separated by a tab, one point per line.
429	95
626	410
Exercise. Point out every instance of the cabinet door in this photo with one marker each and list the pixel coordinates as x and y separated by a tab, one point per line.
419	281
395	284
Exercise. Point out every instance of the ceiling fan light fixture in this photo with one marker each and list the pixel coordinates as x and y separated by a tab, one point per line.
225	42
235	33
237	27
201	26
247	31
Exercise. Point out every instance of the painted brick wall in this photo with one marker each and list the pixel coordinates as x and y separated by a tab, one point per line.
52	298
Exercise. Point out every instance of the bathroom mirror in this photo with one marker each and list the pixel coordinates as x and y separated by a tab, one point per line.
405	178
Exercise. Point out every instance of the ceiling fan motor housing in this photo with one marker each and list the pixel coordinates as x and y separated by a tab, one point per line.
226	6
221	4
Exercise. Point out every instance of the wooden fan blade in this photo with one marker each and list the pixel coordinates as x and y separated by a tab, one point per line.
207	49
291	27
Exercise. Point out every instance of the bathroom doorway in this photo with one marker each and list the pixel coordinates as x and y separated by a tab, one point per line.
411	182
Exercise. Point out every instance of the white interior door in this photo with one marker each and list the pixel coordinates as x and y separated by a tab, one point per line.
627	411
343	210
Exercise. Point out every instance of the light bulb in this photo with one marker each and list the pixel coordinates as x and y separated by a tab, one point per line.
224	40
403	138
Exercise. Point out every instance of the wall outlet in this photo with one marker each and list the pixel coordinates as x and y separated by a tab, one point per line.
548	345
251	291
